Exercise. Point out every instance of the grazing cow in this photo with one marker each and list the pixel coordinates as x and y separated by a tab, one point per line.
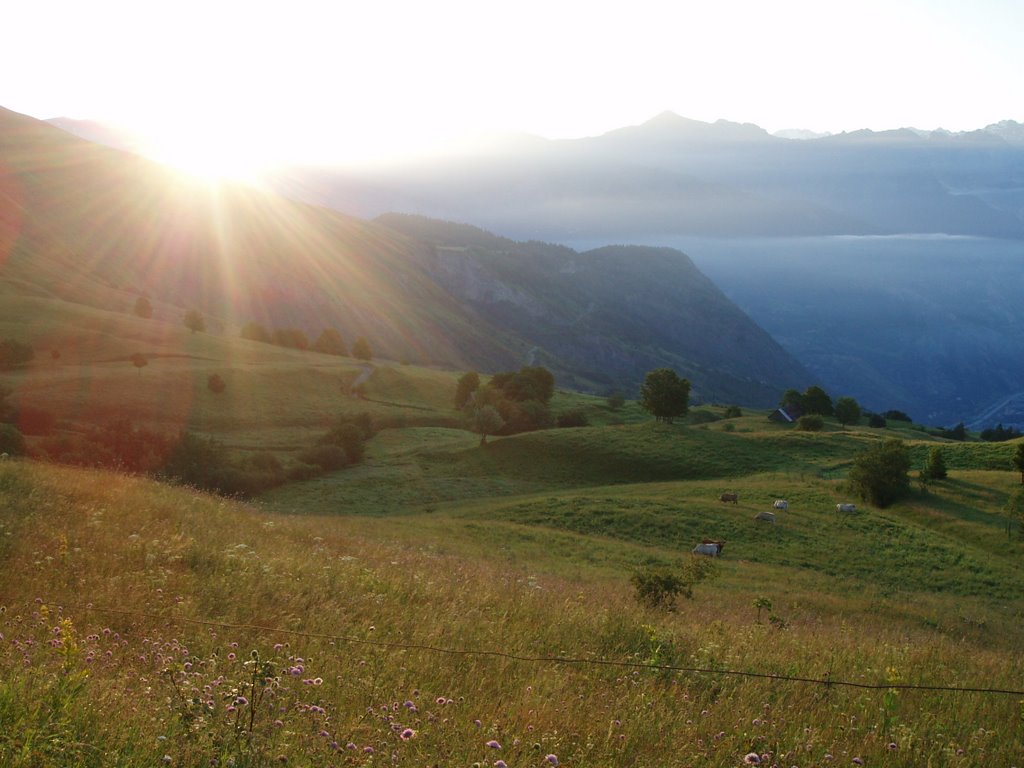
846	507
709	548
733	497
780	504
768	517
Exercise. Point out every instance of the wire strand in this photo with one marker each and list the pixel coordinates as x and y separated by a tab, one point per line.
566	660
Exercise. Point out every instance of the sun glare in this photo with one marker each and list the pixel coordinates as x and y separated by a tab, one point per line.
208	157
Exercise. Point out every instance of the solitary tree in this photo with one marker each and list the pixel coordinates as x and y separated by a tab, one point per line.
847	410
880	473
140	361
468	384
143	308
194	321
361	350
1018	461
665	395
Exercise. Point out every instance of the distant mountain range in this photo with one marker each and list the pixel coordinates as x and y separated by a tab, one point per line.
85	223
674	176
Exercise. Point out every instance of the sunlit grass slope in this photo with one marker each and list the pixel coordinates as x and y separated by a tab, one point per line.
184	577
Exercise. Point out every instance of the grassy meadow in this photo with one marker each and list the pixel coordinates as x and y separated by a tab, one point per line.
447	604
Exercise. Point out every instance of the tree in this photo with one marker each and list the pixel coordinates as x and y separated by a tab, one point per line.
215	383
847	410
665	395
329	342
361	350
194	321
143	308
791	398
487	421
12	442
935	469
880	473
140	361
616	399
255	332
13	353
816	400
1018	461
468	384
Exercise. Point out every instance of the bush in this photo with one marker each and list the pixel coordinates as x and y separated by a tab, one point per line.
810	423
880	473
327	457
658	587
616	400
215	383
347	436
733	411
876	420
143	308
572	419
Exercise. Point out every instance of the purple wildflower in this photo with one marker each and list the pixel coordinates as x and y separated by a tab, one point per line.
493	744
752	758
407	734
500	764
858	761
553	759
367	750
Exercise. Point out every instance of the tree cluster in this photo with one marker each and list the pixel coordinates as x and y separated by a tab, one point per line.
511	402
1000	434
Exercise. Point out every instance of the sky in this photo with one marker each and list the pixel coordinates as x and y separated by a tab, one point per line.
245	83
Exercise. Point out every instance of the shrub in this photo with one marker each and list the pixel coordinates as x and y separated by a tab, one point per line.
143	308
658	587
733	411
215	383
616	400
876	420
572	419
327	457
810	423
347	436
880	473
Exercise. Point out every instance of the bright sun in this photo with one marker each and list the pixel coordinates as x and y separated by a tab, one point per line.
209	156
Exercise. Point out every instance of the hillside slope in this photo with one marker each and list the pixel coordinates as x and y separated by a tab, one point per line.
90	225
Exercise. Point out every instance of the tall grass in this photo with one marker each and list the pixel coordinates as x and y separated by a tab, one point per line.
195	677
